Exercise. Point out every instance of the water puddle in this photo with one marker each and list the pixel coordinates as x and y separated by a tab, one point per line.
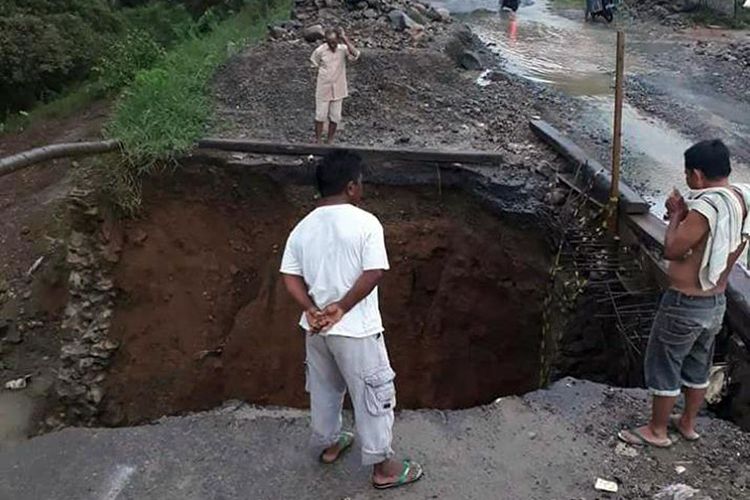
16	409
577	58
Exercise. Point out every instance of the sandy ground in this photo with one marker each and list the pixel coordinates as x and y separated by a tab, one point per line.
550	444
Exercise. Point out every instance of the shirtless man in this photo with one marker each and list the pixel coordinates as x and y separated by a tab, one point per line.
681	344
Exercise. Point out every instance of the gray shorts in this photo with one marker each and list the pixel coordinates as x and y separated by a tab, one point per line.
681	345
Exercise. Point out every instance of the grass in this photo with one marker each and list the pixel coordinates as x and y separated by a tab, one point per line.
569	4
76	98
166	109
705	17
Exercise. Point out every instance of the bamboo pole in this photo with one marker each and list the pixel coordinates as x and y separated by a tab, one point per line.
614	192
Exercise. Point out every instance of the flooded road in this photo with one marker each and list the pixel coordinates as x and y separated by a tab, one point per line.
577	59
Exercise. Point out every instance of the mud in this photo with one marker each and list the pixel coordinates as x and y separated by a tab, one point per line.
202	316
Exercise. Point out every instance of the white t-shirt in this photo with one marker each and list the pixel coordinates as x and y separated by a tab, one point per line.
331	248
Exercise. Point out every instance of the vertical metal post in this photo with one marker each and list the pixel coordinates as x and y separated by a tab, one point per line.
614	191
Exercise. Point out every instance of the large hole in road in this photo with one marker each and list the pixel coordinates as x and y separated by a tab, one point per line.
202	315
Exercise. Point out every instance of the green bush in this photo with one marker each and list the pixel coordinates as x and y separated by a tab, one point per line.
47	46
166	109
166	23
137	50
40	55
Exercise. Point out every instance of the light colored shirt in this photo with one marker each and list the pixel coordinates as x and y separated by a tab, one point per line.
331	66
331	248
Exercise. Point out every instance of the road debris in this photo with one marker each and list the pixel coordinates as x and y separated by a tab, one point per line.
18	384
605	485
37	263
676	492
626	451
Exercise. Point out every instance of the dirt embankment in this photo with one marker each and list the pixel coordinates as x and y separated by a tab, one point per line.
33	228
202	315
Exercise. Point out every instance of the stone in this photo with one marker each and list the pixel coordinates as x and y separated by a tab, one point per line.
85	363
71	390
445	14
75	280
9	333
684	5
371	14
416	15
469	60
77	239
277	32
313	33
95	395
557	196
397	18
139	236
107	345
74	350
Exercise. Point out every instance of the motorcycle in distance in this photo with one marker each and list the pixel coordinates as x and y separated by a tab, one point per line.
509	5
604	8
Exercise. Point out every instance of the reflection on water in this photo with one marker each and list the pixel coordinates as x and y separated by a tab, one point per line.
577	58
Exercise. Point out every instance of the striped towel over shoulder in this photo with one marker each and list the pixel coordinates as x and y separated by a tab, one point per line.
727	228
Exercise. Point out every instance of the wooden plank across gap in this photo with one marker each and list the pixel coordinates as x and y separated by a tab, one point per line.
401	154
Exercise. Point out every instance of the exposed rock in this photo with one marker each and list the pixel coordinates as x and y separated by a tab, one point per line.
9	333
417	15
445	15
313	33
401	21
684	5
277	32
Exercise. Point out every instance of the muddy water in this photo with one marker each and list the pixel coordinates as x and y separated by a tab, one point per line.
577	58
16	410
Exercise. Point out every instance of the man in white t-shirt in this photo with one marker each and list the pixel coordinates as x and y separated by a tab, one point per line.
333	261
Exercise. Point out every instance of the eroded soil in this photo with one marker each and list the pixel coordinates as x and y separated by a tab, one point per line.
202	316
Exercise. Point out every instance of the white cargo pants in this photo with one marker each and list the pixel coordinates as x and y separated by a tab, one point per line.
335	364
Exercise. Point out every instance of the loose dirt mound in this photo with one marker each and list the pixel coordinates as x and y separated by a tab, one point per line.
202	316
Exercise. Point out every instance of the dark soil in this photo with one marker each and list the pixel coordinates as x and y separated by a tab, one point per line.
202	316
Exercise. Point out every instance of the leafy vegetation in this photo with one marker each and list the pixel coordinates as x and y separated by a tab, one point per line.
49	48
709	17
166	108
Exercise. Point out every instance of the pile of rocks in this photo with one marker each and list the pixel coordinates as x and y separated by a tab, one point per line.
409	17
734	52
666	12
87	352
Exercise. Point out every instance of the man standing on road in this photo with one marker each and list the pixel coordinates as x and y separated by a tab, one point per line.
331	88
333	261
706	235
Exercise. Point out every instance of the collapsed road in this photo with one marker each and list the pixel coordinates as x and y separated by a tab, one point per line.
206	245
